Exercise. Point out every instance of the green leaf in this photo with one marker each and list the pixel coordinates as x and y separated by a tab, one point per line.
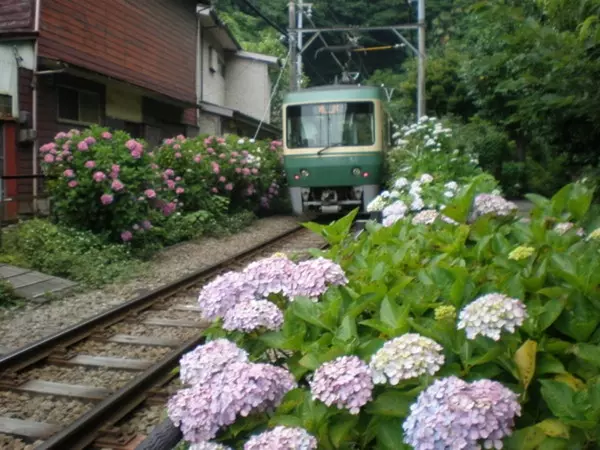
547	363
310	361
347	330
341	429
525	439
525	358
580	201
391	404
377	325
308	311
550	312
560	399
587	352
393	315
286	421
554	428
390	435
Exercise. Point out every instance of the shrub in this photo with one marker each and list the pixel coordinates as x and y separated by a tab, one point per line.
483	330
105	183
8	297
65	252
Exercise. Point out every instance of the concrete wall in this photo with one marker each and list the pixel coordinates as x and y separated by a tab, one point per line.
248	87
213	89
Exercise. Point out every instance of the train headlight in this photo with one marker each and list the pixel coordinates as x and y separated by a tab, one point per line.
304	173
356	171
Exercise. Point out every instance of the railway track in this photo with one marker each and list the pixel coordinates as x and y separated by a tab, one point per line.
103	383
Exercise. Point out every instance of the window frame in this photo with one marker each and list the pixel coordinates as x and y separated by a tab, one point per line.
78	91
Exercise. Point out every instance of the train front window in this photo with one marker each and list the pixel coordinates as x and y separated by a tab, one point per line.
330	124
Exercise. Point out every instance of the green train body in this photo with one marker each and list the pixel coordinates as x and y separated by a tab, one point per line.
334	140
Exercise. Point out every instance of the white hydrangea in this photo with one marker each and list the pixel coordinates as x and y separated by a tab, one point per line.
394	212
401	182
564	227
426	178
451	185
408	356
417	204
490	314
377	204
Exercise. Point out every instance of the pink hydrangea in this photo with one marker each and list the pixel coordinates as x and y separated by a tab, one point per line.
146	225
136	154
99	176
180	137
215	167
169	173
254	170
170	184
82	146
117	185
210	150
126	236
208	141
169	209
197	159
232	161
49	158
150	193
223	293
245	153
66	147
214	190
246	171
177	147
132	144
69	173
313	277
60	135
90	140
220	140
229	187
106	135
179	191
169	141
47	147
222	179
222	156
238	170
106	199
90	164
73	183
115	168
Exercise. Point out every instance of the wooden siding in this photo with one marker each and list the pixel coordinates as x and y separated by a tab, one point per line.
24	150
151	44
16	15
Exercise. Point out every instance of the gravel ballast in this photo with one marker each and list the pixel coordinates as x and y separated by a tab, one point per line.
115	350
41	408
21	327
13	443
178	333
110	379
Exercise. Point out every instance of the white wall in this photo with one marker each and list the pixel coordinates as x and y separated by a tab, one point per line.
9	79
248	87
213	82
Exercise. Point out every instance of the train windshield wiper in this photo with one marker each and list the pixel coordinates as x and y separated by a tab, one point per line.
328	147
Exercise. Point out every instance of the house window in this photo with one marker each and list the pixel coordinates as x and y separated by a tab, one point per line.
5	105
78	105
216	63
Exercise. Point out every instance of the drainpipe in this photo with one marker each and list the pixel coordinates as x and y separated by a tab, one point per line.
34	107
198	70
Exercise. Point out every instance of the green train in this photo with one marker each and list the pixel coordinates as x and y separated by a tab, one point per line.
334	139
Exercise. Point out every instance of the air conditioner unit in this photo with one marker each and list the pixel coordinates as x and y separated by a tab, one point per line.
27	135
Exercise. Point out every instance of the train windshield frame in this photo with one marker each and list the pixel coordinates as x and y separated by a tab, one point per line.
339	124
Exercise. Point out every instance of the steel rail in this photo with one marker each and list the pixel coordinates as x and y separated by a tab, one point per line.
87	428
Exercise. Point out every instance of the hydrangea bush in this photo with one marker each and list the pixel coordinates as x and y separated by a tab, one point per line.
482	333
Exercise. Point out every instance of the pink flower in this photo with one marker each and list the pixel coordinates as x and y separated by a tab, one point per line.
106	135
150	193
207	141
177	178
82	146
106	199
215	190
60	135
132	144
66	152
73	184
197	159
210	150
90	164
99	176
47	147
215	167
169	173
69	158
232	161
222	179
117	185
238	170
169	141
69	173
222	156
179	191
90	140
53	151
59	158
171	184
245	153
180	137
74	132
136	154
126	236
66	147
146	225
49	158
246	171
221	140
254	170
229	186
115	168
177	155
168	209
235	154
154	166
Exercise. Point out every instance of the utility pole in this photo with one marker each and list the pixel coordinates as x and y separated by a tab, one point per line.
293	45
299	56
421	104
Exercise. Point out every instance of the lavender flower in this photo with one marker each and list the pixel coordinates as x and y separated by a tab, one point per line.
493	204
452	413
282	438
270	275
200	411
206	361
222	293
313	277
346	381
491	313
248	316
408	356
208	446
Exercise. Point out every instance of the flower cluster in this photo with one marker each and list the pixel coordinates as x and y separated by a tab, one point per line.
311	278
282	438
429	216
227	390
490	314
445	312
346	382
493	204
208	446
564	227
270	275
253	314
408	356
223	293
521	252
452	413
206	361
394	212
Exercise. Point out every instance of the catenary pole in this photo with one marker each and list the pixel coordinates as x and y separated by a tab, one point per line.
293	45
421	103
300	43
